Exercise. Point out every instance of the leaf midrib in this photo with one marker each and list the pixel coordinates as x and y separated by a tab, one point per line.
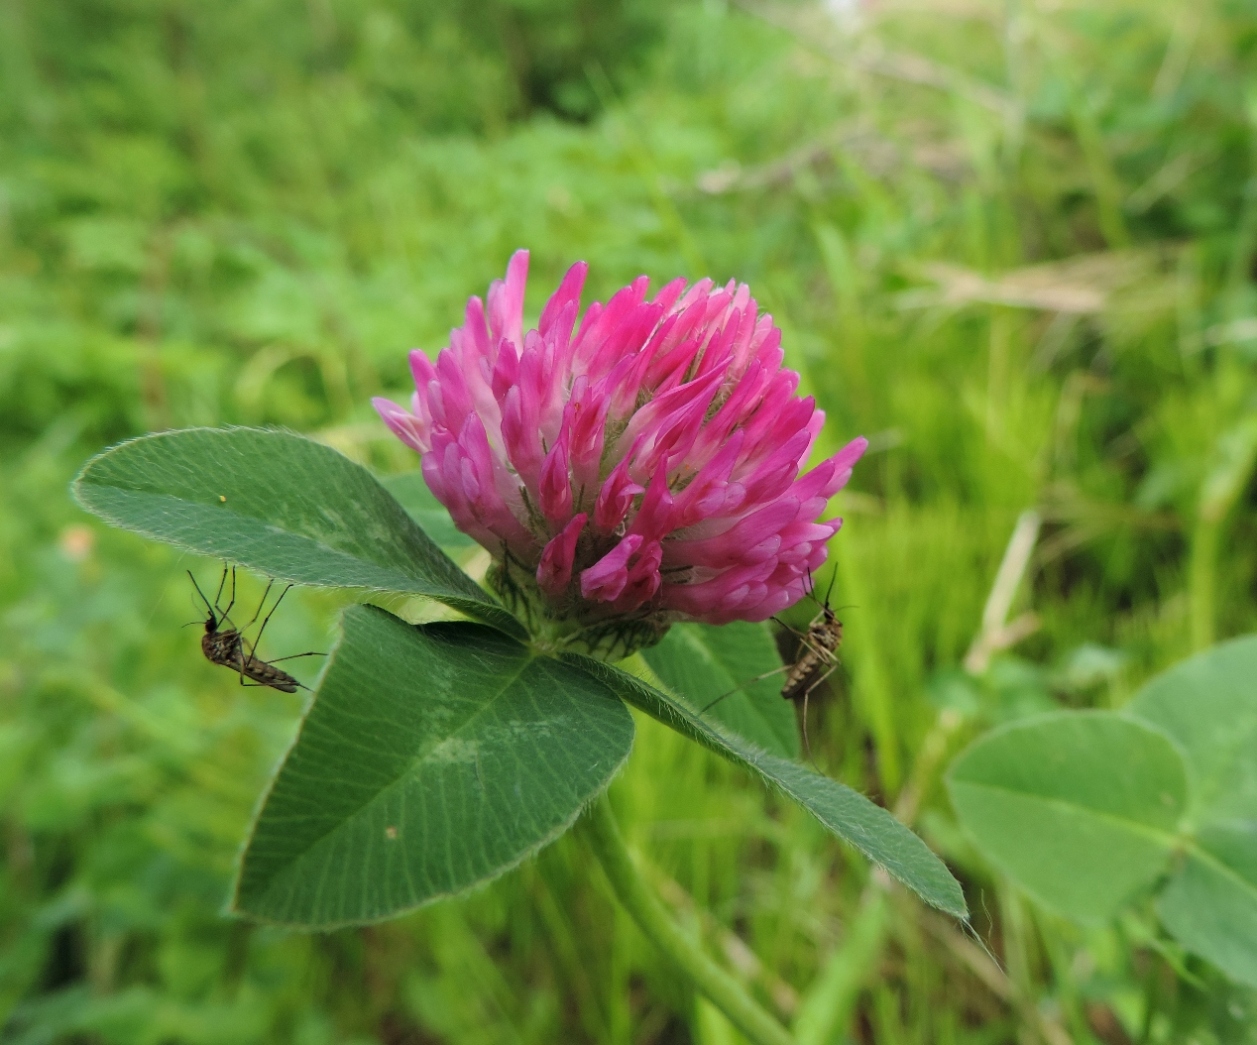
401	569
1187	844
929	885
472	600
400	777
1192	847
1171	840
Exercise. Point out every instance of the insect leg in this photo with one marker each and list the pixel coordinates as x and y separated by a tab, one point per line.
801	636
789	627
221	581
270	584
748	682
269	615
807	746
226	614
210	609
824	655
294	656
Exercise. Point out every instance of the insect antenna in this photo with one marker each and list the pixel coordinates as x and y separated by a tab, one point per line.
811	589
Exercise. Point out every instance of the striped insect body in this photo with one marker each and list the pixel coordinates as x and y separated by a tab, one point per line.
815	663
227	646
819	657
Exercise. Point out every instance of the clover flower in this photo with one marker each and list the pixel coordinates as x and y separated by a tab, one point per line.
641	466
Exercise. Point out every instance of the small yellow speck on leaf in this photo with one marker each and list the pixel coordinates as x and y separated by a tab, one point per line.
390	832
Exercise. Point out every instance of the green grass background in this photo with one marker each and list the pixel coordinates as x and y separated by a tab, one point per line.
1011	242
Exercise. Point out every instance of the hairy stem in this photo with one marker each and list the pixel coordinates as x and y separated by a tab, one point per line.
601	833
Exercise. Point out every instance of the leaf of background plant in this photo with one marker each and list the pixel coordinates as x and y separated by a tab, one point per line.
412	493
1211	903
847	813
432	759
1079	807
281	504
701	663
1208	704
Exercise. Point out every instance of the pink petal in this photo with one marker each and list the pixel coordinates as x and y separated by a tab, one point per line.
753	538
405	425
506	300
559	315
614	499
606	579
555	487
654	518
643	579
554	572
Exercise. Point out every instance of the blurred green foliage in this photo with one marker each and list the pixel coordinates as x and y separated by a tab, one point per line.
1012	243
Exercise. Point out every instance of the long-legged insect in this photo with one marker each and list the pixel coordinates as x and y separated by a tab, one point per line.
229	647
817	660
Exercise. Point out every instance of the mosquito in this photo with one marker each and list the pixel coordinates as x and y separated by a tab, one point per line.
229	647
817	660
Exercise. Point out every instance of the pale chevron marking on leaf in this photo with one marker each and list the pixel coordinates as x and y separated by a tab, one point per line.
548	739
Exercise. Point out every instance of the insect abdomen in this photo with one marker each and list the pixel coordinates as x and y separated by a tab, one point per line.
799	676
227	648
820	652
268	675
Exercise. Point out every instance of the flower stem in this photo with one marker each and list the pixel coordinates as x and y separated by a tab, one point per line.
602	835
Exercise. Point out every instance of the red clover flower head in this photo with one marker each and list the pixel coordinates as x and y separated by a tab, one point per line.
630	467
